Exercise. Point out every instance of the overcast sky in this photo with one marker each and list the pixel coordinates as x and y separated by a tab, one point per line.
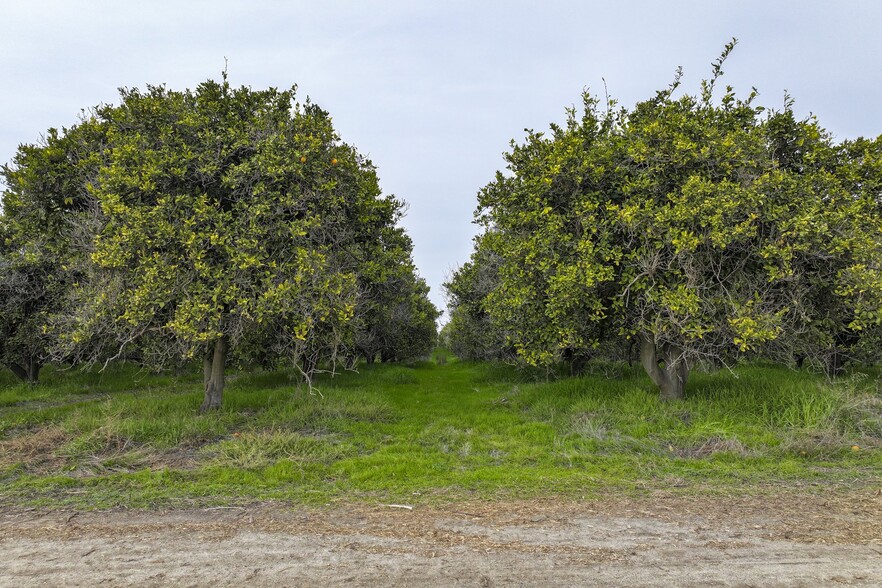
434	91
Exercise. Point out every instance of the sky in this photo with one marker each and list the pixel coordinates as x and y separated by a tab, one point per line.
434	92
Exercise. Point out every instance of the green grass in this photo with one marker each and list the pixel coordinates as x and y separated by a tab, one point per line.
428	432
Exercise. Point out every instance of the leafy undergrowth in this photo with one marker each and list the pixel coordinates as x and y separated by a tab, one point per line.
427	432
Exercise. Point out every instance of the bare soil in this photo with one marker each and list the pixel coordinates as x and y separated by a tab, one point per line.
789	539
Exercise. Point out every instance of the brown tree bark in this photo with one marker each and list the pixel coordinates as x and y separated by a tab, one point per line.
213	375
34	367
670	377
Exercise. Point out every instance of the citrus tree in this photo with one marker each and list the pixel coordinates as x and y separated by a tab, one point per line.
470	332
696	226
215	218
46	190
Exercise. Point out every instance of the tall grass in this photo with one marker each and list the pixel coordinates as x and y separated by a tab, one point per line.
427	431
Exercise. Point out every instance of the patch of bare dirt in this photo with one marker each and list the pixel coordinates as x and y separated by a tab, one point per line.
790	539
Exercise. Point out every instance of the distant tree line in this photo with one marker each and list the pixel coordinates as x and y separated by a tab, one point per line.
220	224
686	229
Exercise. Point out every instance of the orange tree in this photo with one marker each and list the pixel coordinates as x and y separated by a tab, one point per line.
218	218
46	189
695	227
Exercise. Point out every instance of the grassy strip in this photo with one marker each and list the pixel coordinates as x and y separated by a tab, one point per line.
428	432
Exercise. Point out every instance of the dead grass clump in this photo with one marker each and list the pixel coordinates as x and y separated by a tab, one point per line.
36	450
712	446
863	415
133	460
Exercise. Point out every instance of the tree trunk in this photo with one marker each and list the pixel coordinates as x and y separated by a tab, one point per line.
311	363
34	370
29	373
670	378
213	375
835	362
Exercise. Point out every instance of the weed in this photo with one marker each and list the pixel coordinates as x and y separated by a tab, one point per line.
260	449
392	432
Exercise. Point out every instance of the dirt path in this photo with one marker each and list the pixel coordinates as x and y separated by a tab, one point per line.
788	540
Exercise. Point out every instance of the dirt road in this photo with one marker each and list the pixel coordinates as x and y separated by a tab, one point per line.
791	540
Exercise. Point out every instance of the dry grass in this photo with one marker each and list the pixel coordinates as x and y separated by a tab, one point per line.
711	446
38	450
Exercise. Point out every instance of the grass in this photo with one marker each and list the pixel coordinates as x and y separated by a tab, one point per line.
428	432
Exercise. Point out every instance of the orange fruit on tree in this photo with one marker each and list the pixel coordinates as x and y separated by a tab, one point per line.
302	159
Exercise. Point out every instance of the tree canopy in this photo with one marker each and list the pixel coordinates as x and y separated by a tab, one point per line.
222	221
46	187
695	226
471	333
